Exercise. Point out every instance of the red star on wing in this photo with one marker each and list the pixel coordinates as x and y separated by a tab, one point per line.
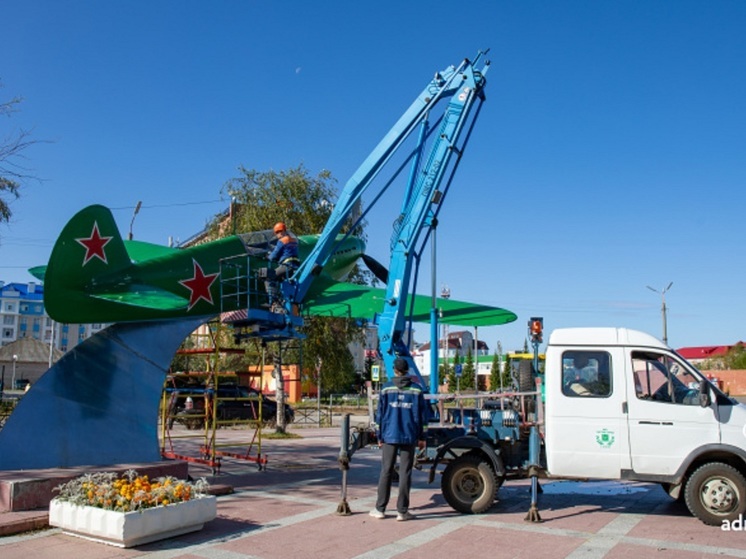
199	285
94	245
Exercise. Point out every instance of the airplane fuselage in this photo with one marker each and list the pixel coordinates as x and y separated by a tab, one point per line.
94	275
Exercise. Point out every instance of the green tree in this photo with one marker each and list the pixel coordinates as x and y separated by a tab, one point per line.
508	382
328	340
453	381
468	374
184	362
304	203
736	357
495	373
444	372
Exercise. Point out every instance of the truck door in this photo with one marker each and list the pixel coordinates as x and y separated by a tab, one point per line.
586	431
665	419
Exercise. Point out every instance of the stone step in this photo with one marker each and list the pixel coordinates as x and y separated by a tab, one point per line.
26	490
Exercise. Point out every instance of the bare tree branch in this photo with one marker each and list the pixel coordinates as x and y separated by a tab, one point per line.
12	173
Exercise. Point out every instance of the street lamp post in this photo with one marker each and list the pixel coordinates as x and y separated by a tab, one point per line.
134	215
499	365
445	293
662	293
13	382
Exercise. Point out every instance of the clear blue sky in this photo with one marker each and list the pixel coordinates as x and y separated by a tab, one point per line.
610	155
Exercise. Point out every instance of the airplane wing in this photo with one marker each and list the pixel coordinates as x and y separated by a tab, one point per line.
145	296
362	301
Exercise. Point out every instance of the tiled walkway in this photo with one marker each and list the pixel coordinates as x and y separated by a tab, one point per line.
289	510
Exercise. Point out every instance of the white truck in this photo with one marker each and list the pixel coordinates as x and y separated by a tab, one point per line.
618	404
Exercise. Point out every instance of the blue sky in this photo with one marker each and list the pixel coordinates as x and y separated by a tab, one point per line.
609	155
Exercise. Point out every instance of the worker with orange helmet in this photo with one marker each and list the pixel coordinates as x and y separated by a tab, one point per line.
285	252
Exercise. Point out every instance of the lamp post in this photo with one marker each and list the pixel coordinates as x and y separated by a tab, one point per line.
662	293
134	214
51	343
13	381
499	365
445	293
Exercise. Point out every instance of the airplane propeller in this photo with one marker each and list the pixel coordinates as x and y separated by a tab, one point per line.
378	269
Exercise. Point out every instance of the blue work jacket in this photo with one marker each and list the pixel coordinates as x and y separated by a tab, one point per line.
285	249
402	412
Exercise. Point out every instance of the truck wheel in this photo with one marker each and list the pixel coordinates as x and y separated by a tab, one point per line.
716	492
526	381
469	484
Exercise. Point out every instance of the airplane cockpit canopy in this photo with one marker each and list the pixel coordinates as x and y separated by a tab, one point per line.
258	243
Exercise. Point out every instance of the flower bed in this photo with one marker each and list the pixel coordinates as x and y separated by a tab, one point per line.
130	510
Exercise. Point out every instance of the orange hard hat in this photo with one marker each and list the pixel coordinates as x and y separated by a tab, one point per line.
279	226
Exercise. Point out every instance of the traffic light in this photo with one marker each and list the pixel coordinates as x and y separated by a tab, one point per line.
536	329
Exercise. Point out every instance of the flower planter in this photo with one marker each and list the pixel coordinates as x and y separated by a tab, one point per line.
128	529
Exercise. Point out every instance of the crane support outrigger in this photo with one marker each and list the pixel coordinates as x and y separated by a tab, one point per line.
457	93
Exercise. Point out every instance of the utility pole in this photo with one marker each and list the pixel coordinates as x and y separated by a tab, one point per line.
445	293
662	293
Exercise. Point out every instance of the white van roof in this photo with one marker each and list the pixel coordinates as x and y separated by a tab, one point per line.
603	337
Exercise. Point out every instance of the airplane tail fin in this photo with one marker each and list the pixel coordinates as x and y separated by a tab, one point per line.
88	250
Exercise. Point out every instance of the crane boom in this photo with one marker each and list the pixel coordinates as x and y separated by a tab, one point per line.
456	91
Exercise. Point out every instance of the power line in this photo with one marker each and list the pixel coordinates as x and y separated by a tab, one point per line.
176	204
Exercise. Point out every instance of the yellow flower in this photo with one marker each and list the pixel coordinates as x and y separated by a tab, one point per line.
128	492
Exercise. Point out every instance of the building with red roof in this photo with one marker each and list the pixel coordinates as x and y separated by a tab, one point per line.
699	354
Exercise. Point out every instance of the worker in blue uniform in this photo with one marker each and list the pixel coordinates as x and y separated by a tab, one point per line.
285	254
401	424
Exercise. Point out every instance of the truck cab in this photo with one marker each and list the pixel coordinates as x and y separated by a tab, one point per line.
622	405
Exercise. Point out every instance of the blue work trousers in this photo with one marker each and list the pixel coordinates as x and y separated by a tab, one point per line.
388	462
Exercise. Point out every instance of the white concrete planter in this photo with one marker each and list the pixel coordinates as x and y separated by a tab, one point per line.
128	529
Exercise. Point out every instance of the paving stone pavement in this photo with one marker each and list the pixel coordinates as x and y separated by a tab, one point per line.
289	510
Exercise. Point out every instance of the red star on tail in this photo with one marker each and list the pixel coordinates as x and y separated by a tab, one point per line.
94	245
199	285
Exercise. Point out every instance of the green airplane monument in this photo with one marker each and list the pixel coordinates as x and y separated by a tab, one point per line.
95	276
97	405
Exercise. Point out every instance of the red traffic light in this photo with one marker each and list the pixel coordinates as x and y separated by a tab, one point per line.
536	328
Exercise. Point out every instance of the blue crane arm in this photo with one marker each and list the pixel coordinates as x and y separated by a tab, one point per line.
443	85
424	197
459	89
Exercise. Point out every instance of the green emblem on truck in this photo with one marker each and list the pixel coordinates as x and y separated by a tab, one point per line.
605	438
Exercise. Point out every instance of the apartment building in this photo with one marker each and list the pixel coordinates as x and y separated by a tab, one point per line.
22	315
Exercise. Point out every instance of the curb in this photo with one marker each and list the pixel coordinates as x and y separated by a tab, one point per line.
24	522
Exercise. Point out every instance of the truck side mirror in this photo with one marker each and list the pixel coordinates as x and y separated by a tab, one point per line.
704	394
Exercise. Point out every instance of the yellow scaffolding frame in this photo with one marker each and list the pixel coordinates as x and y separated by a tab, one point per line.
210	451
